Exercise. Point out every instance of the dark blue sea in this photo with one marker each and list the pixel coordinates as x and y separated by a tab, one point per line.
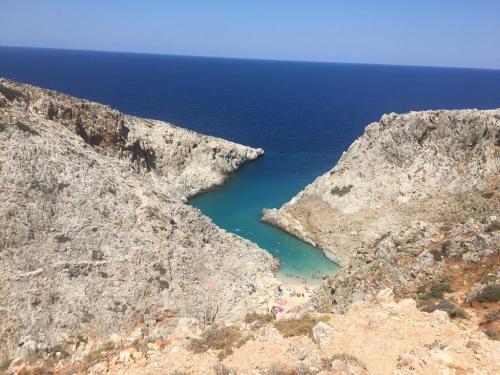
304	115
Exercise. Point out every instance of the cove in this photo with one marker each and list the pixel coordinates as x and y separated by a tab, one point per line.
303	114
236	208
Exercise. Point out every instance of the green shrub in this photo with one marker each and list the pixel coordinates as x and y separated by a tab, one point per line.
492	334
9	93
2	127
438	289
341	190
62	238
437	255
453	311
26	129
489	294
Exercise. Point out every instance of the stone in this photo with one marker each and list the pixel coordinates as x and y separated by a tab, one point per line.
187	328
320	333
338	365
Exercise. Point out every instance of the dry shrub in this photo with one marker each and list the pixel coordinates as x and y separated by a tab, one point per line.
259	320
453	311
300	326
217	338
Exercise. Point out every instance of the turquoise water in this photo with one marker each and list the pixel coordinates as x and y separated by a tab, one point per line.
304	115
236	207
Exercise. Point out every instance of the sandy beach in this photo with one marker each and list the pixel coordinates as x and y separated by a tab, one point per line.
294	294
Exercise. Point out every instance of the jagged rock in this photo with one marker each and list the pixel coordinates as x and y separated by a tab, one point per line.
414	166
95	232
415	195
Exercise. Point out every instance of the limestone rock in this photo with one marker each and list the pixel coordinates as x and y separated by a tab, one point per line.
414	166
321	331
95	232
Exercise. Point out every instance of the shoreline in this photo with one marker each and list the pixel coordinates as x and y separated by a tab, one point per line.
294	294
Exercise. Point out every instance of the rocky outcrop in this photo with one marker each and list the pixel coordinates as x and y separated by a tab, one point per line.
96	240
408	167
378	337
412	206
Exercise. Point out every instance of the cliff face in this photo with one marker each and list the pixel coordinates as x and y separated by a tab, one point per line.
97	244
95	237
415	166
412	206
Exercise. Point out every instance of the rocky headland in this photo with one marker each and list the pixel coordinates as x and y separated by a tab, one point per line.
96	240
412	205
107	270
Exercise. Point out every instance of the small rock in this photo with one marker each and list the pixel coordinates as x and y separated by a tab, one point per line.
338	365
187	327
321	332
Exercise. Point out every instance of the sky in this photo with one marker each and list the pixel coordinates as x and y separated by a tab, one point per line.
463	33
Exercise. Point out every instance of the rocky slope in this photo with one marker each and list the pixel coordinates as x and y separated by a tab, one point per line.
378	337
415	166
108	271
412	206
95	238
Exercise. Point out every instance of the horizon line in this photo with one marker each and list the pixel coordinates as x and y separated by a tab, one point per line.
248	58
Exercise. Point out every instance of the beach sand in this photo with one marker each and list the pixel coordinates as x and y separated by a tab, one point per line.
294	295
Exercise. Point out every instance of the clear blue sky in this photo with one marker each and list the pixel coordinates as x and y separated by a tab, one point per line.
415	32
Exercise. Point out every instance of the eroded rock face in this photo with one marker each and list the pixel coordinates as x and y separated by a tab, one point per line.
404	168
95	236
413	206
378	337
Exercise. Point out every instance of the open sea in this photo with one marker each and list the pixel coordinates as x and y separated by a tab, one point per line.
304	115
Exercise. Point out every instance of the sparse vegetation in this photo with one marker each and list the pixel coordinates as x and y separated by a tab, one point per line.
280	369
493	227
259	320
437	255
349	359
489	294
62	238
453	311
95	355
300	326
20	126
9	93
341	190
436	291
26	129
4	365
492	334
220	369
217	338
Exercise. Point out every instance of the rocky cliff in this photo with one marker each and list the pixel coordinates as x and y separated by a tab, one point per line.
409	167
412	206
96	240
106	269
